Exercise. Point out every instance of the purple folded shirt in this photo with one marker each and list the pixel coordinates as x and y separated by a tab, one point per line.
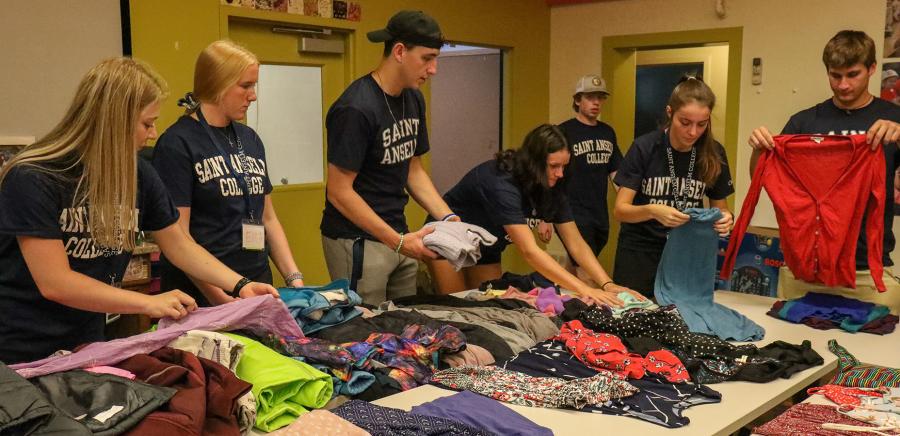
548	301
264	314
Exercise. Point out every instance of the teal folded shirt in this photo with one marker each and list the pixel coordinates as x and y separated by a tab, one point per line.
284	388
629	302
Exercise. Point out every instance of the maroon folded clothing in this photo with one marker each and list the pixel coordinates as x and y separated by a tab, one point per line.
807	419
205	401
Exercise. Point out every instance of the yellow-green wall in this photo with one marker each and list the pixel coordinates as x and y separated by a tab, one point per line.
170	33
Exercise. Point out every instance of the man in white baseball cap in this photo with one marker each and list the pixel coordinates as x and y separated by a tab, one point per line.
594	160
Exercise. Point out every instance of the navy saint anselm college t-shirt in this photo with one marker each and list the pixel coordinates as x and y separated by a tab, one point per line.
37	204
375	135
594	156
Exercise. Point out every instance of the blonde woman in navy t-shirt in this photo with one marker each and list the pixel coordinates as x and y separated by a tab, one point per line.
215	169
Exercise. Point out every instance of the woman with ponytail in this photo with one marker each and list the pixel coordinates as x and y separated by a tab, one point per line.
508	196
216	171
663	173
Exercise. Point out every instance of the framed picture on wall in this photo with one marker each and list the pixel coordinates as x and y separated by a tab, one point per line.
7	152
890	80
892	29
11	145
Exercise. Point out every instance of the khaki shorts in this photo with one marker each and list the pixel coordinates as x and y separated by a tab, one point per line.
386	275
789	287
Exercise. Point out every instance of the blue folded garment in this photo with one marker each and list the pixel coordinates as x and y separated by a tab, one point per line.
359	381
850	313
686	278
313	311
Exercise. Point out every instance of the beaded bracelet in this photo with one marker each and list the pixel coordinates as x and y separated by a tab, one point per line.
293	276
400	245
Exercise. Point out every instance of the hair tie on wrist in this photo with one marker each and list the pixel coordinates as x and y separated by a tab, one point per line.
239	285
448	216
603	286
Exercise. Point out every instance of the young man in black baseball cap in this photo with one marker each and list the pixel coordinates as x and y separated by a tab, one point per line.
376	137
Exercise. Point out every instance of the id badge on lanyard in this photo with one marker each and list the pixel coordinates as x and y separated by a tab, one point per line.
254	235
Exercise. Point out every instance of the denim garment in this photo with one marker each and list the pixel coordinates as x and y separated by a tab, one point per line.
314	312
686	278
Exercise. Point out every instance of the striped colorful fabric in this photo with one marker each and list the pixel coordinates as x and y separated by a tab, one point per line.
851	373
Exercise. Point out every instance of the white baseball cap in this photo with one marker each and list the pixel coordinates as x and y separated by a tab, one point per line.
590	83
888	73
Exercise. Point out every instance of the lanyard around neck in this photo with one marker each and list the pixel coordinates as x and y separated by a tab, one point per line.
241	180
680	196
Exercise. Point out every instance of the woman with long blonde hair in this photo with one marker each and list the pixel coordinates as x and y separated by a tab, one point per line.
216	172
70	207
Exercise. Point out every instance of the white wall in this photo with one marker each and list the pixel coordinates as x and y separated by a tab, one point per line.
46	46
788	35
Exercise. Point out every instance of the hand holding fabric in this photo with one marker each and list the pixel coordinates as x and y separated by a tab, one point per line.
173	304
414	246
761	139
724	225
668	215
254	289
883	132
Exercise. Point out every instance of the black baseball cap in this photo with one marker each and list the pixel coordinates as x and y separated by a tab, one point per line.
414	27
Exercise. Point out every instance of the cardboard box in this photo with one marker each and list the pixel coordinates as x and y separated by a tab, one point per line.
757	264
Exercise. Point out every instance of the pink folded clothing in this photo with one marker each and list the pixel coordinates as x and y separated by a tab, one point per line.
320	423
514	294
112	371
473	355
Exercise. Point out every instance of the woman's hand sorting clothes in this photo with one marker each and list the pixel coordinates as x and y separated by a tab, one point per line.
254	289
723	226
601	297
668	215
173	304
616	289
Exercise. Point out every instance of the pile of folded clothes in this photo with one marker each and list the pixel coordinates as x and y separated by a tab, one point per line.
826	311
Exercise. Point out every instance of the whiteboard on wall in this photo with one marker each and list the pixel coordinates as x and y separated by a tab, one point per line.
288	117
